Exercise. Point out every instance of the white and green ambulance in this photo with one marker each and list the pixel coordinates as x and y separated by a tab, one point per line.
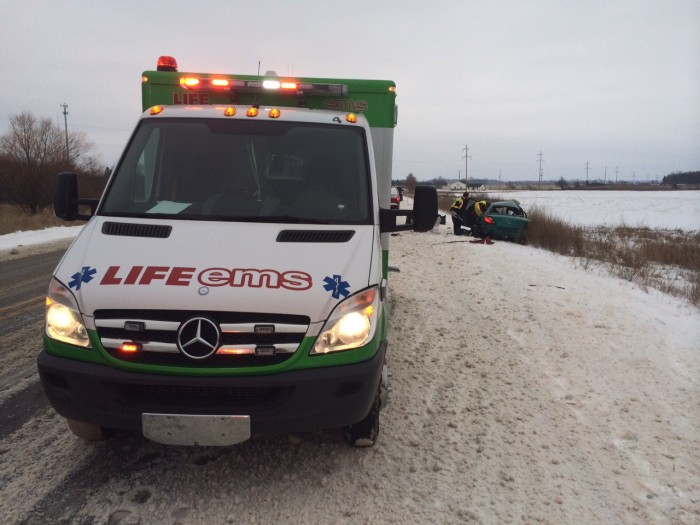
232	278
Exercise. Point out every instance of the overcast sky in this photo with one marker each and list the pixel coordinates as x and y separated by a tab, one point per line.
612	83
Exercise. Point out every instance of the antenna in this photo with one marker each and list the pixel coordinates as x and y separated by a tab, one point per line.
256	104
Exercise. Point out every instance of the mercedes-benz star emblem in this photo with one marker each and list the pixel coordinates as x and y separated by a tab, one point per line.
198	338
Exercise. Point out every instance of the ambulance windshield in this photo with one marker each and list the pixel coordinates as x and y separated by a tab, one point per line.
242	170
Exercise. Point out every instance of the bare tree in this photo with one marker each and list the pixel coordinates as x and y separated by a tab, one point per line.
31	143
35	150
411	183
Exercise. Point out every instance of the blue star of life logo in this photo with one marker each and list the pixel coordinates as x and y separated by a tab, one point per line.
83	276
336	286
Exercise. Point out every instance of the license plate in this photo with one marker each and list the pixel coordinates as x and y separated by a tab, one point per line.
195	429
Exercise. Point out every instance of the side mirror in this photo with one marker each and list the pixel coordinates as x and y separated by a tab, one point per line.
425	208
66	201
421	219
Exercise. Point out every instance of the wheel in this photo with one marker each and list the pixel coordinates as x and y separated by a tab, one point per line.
364	433
88	431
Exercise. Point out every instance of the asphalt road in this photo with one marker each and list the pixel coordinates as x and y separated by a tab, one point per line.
23	283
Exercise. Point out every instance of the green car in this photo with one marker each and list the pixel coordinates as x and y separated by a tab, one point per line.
502	220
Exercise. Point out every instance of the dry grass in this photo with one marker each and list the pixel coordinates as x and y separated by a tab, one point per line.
14	219
665	260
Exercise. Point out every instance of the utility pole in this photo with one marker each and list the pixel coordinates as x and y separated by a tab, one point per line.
466	158
499	179
587	168
616	170
540	161
65	120
605	179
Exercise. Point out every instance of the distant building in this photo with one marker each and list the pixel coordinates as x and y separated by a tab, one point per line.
459	185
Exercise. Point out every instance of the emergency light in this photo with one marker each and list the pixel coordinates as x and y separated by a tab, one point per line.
166	63
130	348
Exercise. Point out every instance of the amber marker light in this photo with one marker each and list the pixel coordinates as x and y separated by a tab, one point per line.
156	109
252	112
130	348
229	350
229	111
351	117
189	82
274	113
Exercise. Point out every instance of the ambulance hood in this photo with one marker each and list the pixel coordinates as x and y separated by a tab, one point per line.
219	266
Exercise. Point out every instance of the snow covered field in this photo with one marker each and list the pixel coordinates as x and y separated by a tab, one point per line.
524	390
652	209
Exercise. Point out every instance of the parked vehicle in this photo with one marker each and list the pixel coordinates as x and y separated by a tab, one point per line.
395	198
232	279
502	220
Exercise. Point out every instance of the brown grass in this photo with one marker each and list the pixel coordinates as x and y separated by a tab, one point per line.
14	219
666	260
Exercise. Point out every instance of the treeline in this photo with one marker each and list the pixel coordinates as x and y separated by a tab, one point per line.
33	152
686	177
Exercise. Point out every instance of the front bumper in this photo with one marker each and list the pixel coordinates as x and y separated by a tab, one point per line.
300	400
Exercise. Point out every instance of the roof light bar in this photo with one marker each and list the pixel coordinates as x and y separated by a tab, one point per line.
256	86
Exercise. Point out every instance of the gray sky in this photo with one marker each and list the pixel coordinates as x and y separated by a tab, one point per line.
611	83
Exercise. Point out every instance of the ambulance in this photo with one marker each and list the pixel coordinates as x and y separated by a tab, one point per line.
232	279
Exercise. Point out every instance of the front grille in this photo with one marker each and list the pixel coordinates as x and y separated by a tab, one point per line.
245	339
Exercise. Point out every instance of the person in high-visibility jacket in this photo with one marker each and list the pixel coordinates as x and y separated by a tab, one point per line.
458	210
480	208
475	212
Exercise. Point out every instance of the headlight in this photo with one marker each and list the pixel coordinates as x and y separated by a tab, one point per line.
351	325
63	320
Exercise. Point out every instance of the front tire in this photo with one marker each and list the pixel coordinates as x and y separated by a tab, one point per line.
88	431
364	433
